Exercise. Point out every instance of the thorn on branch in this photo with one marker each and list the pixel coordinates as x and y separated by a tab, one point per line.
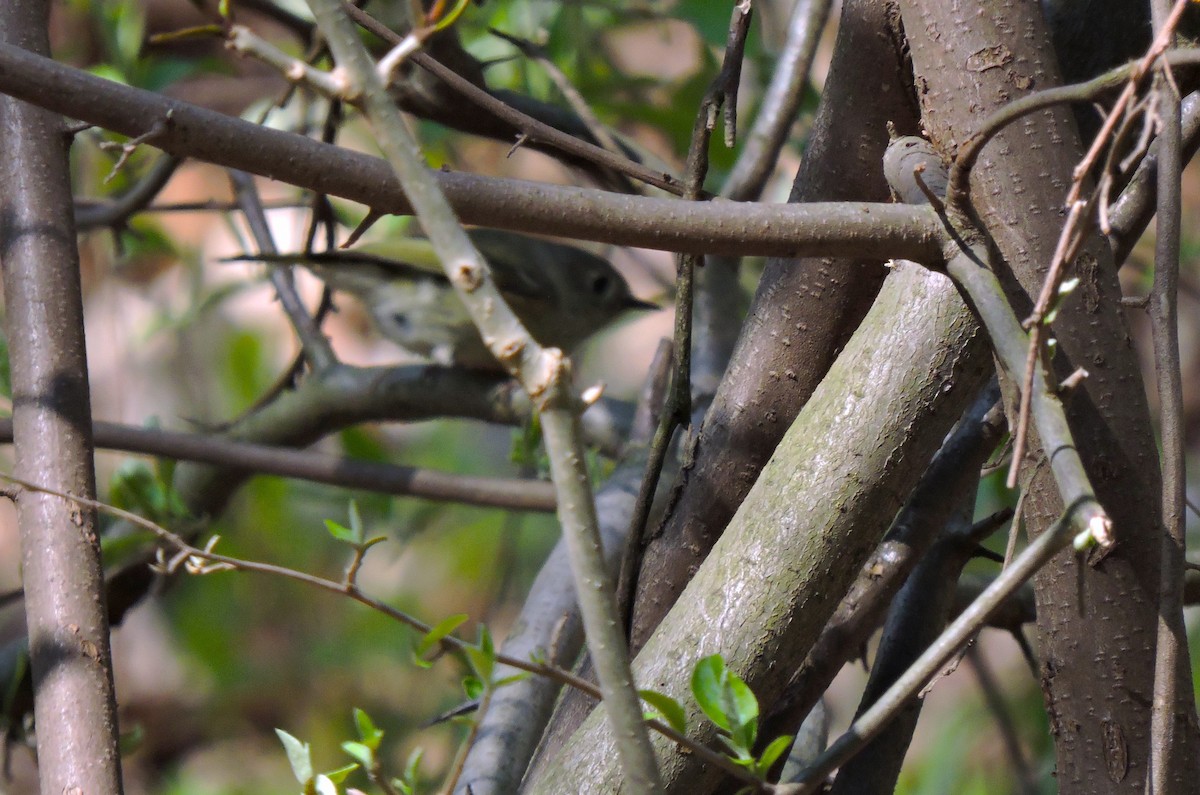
127	149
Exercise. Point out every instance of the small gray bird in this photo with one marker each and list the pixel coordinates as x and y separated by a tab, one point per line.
561	293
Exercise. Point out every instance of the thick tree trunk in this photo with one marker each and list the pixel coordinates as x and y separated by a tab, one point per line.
1097	622
802	315
820	506
74	706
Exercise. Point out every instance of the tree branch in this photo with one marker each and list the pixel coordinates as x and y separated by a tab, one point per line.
877	230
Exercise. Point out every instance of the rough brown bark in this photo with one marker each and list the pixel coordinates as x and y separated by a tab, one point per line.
820	506
1096	622
802	315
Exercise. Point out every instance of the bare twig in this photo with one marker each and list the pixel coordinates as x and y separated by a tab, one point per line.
203	560
571	94
1173	706
549	624
529	127
677	409
780	103
871	722
544	373
1004	721
1131	212
117	212
508	493
315	345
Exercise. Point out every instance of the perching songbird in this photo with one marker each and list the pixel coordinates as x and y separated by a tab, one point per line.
561	293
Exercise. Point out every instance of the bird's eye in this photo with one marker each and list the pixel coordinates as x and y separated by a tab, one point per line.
400	320
600	284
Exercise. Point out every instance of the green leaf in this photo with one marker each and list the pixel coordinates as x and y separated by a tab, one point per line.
356	524
739	753
666	708
482	657
443	628
520	676
367	731
340	532
340	774
413	762
299	756
473	686
407	783
770	755
360	752
708	685
742	707
727	701
132	740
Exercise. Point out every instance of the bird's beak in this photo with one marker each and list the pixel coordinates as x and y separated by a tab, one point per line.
637	303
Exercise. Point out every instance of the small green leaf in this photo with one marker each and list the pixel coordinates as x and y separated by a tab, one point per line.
740	754
360	752
667	708
339	775
299	756
351	535
132	740
411	765
770	755
742	707
473	687
367	731
708	685
520	676
443	628
727	701
340	532
482	657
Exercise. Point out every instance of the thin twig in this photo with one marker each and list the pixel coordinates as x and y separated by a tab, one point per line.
1004	721
571	94
974	618
676	411
1172	708
116	213
209	561
544	373
315	345
530	127
780	102
508	493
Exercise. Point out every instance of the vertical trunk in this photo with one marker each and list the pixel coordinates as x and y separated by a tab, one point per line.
1096	622
60	553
